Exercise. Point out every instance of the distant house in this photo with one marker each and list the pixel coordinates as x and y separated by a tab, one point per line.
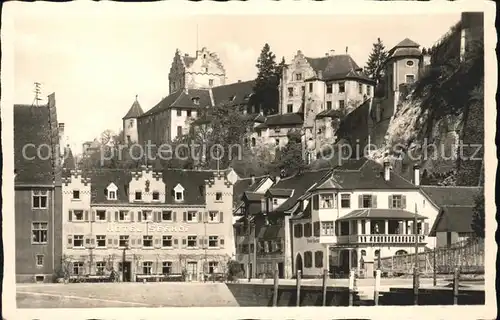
37	185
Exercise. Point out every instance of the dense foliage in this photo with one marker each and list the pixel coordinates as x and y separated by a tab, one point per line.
376	60
267	81
478	219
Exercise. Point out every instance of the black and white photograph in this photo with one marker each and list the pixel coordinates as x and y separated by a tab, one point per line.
333	156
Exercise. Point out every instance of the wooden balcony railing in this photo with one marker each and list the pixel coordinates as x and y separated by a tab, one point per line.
380	238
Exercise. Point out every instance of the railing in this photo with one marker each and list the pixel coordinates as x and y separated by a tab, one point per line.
380	239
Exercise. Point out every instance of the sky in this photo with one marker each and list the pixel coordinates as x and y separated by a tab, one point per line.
97	62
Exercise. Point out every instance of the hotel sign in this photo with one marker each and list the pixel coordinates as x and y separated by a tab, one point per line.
154	227
313	240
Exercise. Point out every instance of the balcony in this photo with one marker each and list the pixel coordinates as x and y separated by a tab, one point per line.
381	239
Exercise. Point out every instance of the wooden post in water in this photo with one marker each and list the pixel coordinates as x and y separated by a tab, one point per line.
275	292
434	271
351	288
325	279
299	276
378	274
456	277
415	285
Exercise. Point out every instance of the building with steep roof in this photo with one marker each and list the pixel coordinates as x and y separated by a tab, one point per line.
148	224
130	130
37	185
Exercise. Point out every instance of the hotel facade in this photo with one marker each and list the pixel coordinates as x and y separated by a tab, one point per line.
147	224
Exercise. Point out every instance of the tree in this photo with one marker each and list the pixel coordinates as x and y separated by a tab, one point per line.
377	58
267	81
478	216
290	160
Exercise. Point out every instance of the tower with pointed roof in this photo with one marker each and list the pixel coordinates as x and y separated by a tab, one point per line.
130	130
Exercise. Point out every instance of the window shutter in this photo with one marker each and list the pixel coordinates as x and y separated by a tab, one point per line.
159	218
69	244
70	215
93	215
205	240
400	227
139	216
390	202
116	243
316	229
86	213
139	242
108	214
200	217
110	242
157	242
426	228
174	216
176	241
206	216
92	241
201	242
87	240
132	216
221	242
184	216
116	216
221	218
403	202
132	242
360	201
316	202
184	242
374	201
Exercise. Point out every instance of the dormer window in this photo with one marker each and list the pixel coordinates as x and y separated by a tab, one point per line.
196	100
111	191
178	193
138	195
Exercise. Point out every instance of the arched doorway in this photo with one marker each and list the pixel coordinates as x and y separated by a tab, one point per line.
298	264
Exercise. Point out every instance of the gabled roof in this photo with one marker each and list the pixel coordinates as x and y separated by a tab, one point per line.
245	185
407	43
237	93
453	219
407	47
135	110
188	60
336	67
333	113
452	195
282	120
32	126
280	193
182	99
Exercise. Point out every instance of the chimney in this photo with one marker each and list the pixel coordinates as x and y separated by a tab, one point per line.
387	171
277	179
239	81
416	175
346	50
252	177
320	74
332	52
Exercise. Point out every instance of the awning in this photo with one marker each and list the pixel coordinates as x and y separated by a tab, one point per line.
381	214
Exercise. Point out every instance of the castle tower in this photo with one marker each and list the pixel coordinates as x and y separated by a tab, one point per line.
130	130
202	71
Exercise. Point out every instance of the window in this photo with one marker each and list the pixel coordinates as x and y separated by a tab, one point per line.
122	215
111	195
341	104
147	267
289	108
410	78
327	228
310	87
167	216
327	201
396	201
76	194
78	268
147	241
213	216
277	142
307	230
78	241
39	260
128	139
100	266
298	76
138	195
341	87
368	90
78	215
166	241
179	131
179	196
196	101
254	142
329	88
191	241
409	63
308	259
210	82
366	201
345	201
188	112
297	230
316	229
40	199
275	201
39	232
191	216
218	196
147	215
213	241
179	112
101	215
123	242
101	241
156	196
360	88
318	259
166	267
290	92
328	105
277	130
303	89
212	266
